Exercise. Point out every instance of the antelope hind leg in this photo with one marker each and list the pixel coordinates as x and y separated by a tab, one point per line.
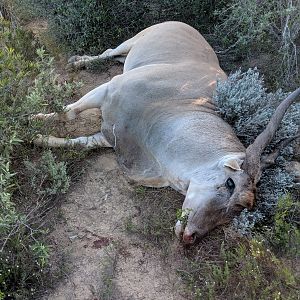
118	54
80	62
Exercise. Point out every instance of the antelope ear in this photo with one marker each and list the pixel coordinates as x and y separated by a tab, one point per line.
233	163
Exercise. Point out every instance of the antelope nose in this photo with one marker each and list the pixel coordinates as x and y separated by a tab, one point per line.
188	236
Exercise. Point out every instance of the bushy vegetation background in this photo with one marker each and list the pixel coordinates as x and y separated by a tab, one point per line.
264	33
93	26
30	181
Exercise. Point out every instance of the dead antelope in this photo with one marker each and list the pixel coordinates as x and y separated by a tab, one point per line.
160	119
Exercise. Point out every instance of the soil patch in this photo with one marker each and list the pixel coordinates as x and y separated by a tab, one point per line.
104	260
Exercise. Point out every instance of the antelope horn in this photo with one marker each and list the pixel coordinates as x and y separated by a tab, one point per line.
253	153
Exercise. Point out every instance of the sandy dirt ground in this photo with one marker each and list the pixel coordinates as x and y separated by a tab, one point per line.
104	261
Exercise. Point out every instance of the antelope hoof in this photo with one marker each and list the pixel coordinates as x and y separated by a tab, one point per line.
39	116
77	62
74	58
49	141
40	140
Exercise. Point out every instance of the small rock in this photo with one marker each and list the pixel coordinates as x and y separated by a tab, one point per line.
73	237
101	242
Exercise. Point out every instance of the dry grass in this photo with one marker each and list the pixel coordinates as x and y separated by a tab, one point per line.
157	214
223	265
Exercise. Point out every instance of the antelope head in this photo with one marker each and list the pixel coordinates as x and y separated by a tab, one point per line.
229	185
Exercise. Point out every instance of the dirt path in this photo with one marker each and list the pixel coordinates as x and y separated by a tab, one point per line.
104	260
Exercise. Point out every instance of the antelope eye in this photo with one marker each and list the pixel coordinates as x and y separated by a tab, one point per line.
230	185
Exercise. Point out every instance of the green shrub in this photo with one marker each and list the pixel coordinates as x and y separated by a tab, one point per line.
244	269
21	259
251	27
48	177
46	88
284	236
244	103
27	85
93	26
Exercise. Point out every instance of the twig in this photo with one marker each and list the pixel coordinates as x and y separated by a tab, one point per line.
270	159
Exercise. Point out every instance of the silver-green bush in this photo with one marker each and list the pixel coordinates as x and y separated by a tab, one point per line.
245	104
48	177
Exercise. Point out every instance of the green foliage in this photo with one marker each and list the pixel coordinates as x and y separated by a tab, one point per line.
27	85
244	269
48	177
47	89
246	22
19	98
285	234
93	26
41	253
19	264
15	71
14	241
272	27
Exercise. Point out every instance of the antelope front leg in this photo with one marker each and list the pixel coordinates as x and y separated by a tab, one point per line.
88	142
93	99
